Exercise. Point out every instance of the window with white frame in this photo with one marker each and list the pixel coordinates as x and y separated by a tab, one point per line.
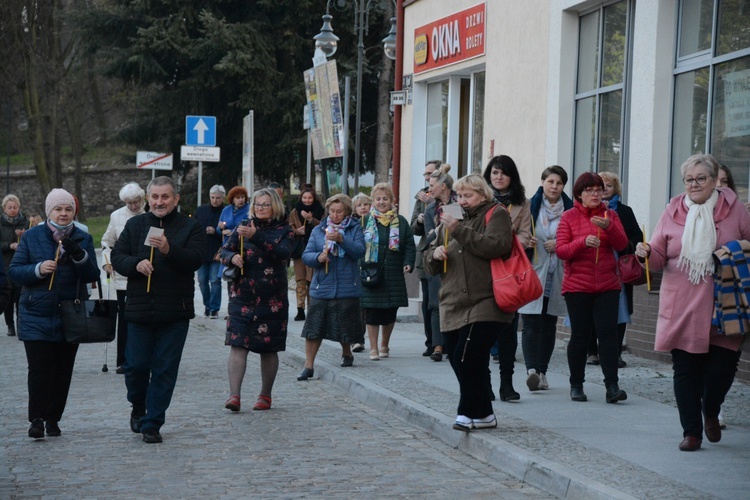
437	120
604	47
712	88
477	129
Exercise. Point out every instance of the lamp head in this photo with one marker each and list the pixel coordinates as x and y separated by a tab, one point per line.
389	42
326	40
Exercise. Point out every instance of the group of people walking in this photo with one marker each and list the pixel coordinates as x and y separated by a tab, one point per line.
350	259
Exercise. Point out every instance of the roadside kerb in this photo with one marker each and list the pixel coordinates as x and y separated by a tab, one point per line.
549	476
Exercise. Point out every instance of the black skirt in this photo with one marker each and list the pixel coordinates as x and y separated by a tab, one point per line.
339	320
375	316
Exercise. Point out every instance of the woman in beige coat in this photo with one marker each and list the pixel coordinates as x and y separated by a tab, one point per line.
469	317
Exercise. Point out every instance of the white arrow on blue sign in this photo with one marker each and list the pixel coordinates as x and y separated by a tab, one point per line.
200	130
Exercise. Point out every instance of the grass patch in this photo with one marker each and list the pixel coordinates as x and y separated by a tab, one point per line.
97	226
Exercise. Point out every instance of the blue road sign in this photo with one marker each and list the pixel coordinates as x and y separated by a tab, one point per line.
200	131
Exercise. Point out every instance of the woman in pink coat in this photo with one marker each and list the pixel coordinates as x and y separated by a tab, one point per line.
692	227
587	237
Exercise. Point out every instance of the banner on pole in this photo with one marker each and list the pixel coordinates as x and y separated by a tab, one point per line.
324	103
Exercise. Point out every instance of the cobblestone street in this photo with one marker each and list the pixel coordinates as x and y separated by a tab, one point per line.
315	442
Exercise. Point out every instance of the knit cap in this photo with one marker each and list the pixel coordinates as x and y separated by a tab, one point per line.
58	197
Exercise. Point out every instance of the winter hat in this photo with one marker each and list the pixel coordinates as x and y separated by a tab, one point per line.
58	197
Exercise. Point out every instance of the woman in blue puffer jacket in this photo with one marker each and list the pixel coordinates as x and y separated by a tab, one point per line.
333	252
51	260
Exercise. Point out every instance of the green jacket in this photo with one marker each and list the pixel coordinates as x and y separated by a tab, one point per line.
392	293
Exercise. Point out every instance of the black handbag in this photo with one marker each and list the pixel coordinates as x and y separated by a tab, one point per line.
86	321
230	273
371	274
298	249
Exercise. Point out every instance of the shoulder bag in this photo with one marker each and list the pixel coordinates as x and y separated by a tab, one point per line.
630	271
514	281
86	321
371	274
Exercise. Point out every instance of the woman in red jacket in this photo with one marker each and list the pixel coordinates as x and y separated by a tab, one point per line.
587	237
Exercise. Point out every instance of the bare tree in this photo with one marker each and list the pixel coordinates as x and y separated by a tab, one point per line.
384	145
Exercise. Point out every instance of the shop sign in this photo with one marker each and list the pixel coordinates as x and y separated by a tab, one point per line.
449	40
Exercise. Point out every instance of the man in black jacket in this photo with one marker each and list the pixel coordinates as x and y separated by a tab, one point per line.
159	252
209	279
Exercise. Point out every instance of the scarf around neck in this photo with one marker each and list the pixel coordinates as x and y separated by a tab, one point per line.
439	207
13	221
698	239
372	238
60	232
504	198
546	228
316	209
612	202
332	247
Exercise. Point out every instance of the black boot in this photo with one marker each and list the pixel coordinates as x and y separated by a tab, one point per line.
507	393
577	394
11	331
615	394
300	314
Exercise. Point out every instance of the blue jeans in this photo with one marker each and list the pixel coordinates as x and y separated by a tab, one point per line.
153	353
208	274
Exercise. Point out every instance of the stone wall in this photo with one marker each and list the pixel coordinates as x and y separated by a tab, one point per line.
100	188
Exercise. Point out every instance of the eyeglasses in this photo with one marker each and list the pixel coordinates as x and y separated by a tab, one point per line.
262	205
593	191
700	180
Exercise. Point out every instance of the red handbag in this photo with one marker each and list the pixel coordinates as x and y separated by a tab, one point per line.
630	270
514	281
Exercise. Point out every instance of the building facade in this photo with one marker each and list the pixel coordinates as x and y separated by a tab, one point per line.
623	86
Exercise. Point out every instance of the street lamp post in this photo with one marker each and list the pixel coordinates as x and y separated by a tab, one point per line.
328	43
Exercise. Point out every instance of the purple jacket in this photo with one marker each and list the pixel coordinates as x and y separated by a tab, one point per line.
685	309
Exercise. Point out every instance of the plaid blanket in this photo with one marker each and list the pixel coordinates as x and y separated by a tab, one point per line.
732	288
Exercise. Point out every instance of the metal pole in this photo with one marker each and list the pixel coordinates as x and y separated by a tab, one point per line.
360	56
7	147
309	156
200	182
345	159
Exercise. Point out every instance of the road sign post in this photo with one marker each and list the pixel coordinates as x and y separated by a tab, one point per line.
200	137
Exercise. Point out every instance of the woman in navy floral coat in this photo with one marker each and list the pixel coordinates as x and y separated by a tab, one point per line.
258	297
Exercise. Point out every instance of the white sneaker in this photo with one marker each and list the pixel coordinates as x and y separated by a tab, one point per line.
463	423
722	422
543	385
532	381
488	422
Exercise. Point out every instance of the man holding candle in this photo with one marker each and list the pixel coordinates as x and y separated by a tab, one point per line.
160	301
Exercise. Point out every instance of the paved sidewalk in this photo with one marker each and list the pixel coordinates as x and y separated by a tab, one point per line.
336	435
566	448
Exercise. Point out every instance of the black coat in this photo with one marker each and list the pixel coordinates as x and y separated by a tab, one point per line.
8	236
208	216
172	282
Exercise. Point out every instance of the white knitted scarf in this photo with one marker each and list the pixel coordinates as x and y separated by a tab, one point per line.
698	239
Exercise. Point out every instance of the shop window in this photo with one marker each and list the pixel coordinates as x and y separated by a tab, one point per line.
437	120
603	54
477	131
712	88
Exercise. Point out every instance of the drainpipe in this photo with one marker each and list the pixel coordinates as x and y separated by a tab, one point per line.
398	81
